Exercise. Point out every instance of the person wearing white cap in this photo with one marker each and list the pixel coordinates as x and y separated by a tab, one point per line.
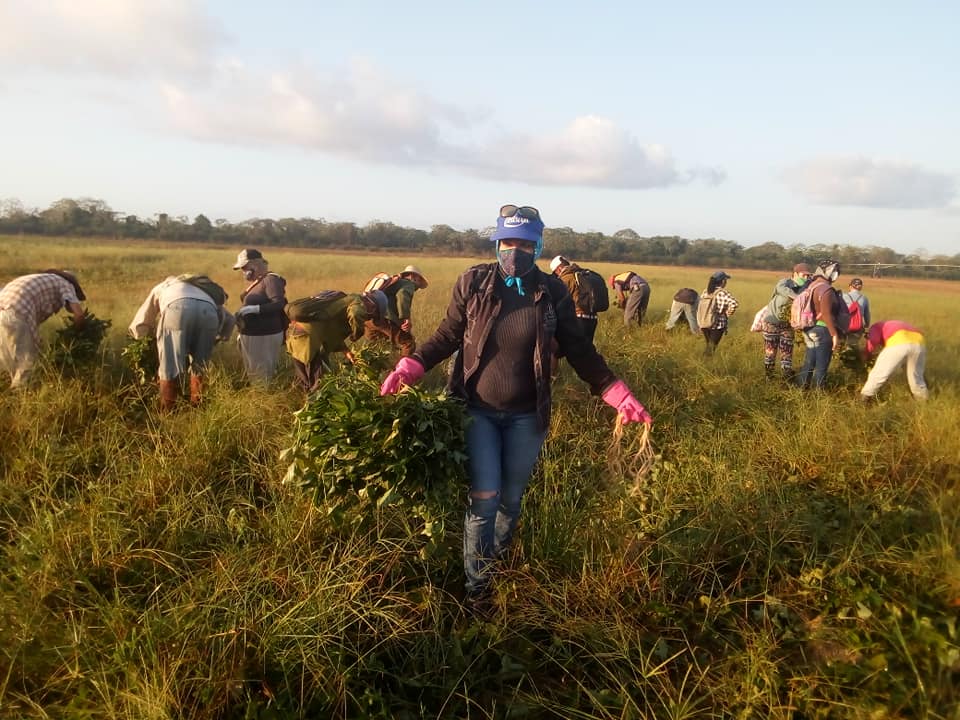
583	292
261	321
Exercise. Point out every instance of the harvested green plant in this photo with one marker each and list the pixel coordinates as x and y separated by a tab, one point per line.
78	345
361	453
371	360
140	355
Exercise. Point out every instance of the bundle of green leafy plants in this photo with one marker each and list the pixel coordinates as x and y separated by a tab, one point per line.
362	454
140	355
371	359
78	345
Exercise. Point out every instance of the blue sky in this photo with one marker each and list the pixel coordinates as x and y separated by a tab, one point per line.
752	122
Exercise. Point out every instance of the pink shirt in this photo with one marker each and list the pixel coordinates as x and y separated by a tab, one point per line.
883	331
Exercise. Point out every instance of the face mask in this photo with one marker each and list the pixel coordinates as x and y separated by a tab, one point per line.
515	262
248	275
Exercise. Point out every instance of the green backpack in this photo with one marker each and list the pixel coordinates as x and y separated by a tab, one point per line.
216	293
314	308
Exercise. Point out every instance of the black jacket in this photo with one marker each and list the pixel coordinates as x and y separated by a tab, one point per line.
472	312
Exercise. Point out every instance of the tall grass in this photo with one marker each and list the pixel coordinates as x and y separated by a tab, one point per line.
791	555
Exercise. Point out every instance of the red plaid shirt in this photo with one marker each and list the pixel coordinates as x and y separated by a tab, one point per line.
34	298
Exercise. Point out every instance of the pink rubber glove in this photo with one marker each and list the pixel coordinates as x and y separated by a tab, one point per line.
619	397
407	372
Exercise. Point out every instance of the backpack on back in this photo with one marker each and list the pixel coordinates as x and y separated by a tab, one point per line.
591	295
802	313
856	316
216	293
314	308
707	311
380	281
841	313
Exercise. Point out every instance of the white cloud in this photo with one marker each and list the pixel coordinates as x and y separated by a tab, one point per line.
865	182
590	151
171	52
112	37
364	113
357	112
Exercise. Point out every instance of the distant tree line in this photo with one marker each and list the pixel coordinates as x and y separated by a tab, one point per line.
87	217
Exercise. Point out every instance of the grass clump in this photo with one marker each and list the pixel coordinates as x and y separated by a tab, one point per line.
789	555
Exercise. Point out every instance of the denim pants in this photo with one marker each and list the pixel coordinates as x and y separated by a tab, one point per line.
502	450
816	360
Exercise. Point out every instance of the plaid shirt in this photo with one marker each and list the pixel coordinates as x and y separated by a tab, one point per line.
726	306
34	298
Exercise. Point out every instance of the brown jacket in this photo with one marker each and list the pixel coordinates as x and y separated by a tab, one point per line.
823	300
472	312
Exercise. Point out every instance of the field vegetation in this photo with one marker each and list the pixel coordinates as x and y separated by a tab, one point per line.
790	554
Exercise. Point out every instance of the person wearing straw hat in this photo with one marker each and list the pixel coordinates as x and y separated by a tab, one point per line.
504	318
400	296
399	292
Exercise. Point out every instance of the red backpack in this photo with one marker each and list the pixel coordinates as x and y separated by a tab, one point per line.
856	316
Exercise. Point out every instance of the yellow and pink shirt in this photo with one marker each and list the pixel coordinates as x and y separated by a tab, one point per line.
887	333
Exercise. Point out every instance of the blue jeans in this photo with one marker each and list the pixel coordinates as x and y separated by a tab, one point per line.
502	450
817	358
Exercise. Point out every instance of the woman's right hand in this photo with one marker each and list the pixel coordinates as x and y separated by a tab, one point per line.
407	372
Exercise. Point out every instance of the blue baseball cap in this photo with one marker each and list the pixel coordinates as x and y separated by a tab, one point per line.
518	227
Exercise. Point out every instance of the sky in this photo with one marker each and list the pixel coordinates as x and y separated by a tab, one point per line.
819	122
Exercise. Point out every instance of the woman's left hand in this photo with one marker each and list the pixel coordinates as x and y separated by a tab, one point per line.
629	409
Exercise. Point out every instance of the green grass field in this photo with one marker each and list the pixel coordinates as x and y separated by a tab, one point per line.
790	555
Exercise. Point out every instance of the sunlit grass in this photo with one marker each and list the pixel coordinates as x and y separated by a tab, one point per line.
790	555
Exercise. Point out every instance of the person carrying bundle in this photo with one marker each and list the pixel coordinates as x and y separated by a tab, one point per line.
504	319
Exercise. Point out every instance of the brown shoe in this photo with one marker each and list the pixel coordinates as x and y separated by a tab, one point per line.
169	393
196	389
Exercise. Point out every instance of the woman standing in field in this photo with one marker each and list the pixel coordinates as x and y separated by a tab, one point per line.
777	331
824	337
714	311
503	319
261	321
